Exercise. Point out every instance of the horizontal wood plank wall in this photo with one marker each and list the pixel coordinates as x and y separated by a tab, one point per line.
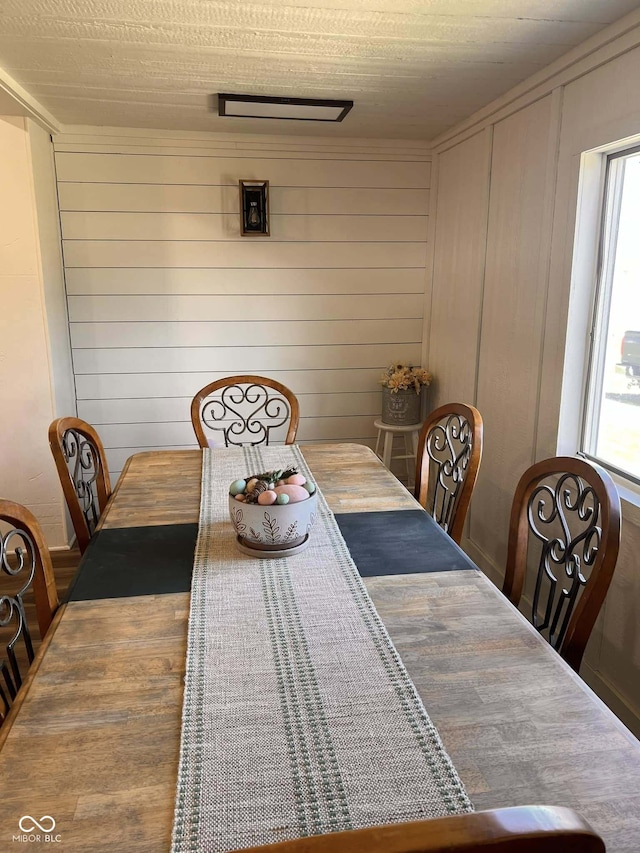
165	295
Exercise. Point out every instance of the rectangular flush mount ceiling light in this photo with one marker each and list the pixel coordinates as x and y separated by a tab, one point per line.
296	109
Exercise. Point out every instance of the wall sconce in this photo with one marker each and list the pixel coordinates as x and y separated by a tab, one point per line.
254	208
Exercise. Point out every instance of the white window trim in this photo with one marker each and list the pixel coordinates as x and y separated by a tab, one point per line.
582	307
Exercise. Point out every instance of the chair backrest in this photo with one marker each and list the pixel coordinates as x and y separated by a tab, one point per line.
25	560
245	410
447	462
572	508
84	476
521	829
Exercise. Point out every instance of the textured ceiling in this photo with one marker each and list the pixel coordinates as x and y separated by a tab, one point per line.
413	67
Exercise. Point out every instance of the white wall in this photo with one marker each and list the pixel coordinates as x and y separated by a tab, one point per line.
27	472
507	193
49	237
165	295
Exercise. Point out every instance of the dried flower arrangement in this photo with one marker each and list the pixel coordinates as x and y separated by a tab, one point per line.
403	377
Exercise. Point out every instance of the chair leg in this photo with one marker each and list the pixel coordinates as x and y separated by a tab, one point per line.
414	446
388	447
407	456
414	442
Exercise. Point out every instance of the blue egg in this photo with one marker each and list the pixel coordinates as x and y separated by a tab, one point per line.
237	487
310	486
282	499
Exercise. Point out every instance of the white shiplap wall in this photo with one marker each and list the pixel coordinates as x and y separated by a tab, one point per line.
164	294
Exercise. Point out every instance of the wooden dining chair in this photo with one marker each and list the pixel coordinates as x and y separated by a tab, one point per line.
572	508
82	468
25	561
245	409
524	829
447	463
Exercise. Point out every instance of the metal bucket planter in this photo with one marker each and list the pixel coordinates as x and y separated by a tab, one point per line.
400	407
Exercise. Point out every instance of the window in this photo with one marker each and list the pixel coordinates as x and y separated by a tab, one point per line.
611	424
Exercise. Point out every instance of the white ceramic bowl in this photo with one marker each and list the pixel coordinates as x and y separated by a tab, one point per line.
276	528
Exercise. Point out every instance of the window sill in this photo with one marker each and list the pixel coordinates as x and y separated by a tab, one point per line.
630	499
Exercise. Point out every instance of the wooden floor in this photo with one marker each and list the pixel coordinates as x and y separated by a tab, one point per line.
65	564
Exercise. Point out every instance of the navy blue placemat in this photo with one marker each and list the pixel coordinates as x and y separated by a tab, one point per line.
127	561
400	542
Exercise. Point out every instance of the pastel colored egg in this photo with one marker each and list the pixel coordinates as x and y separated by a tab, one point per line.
296	480
251	484
237	487
310	486
240	498
267	498
295	493
282	499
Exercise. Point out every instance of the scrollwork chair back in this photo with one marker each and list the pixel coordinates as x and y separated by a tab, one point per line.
25	561
565	525
447	463
244	410
82	468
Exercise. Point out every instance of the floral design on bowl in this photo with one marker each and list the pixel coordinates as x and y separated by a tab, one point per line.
278	527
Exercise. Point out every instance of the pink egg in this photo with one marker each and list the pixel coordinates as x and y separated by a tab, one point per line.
296	493
240	498
267	498
296	480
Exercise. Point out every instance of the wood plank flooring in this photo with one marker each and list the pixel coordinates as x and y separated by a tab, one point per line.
65	564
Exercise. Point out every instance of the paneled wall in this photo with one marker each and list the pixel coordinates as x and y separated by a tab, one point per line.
164	295
504	281
513	315
458	268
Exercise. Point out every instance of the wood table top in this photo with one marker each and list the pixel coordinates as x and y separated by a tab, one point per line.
95	739
164	487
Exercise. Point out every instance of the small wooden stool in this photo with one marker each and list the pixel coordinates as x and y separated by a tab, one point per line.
409	432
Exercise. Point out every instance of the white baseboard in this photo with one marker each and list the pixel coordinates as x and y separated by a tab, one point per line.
484	562
614	700
62	549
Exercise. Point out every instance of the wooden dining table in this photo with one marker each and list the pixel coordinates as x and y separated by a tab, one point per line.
93	740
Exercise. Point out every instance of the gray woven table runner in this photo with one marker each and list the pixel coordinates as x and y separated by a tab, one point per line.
299	717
